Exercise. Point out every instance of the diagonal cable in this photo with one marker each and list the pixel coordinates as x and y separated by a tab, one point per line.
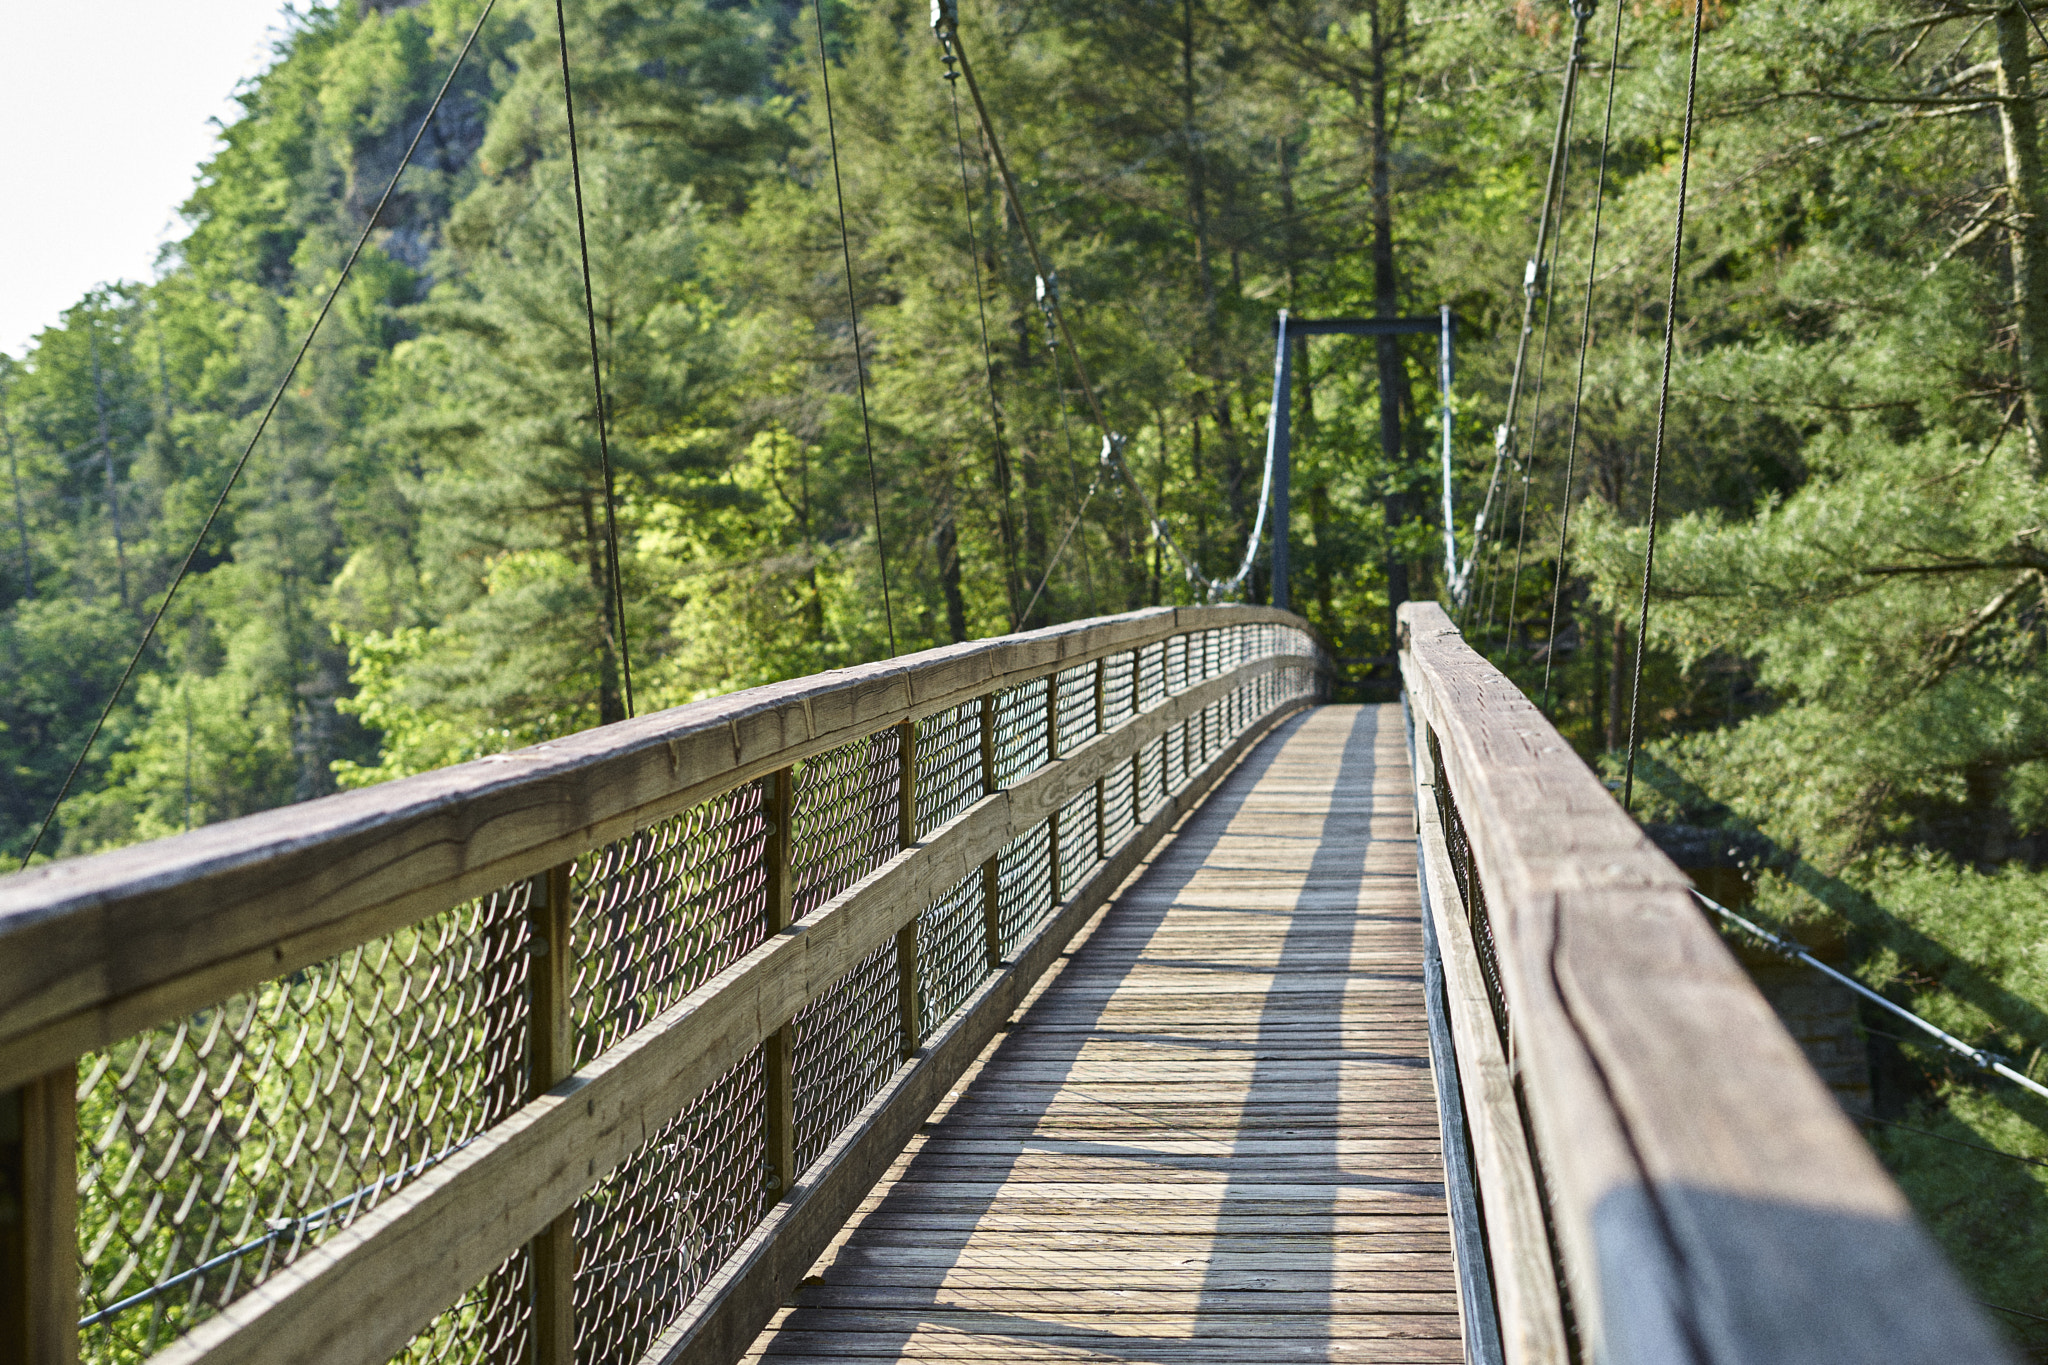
1571	448
604	448
988	360
1692	81
234	474
860	378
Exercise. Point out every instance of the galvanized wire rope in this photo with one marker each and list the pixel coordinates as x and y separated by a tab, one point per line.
945	25
860	378
1532	284
1535	415
604	448
988	361
1979	1057
262	424
1571	447
1635	701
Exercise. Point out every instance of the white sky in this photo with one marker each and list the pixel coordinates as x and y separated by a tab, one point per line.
109	107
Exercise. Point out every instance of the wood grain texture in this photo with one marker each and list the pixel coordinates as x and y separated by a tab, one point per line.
95	949
1710	1200
429	1242
1186	1149
723	1317
1526	1288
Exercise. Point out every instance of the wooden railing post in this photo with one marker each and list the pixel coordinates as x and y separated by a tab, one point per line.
906	937
991	892
39	1220
1052	752
779	1050
551	1058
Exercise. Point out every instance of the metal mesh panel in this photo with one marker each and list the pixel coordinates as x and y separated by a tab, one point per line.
1077	707
948	765
1177	676
214	1151
1118	817
1471	895
1023	887
663	910
848	1041
488	1327
1153	779
1020	732
1079	851
1152	680
952	952
652	1232
844	823
1119	690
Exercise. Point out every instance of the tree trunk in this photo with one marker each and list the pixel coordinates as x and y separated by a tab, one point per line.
611	705
947	546
1395	399
99	402
2030	234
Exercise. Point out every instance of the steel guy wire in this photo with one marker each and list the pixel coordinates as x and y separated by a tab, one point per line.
1986	1061
988	362
1532	283
604	448
860	378
945	24
1571	448
263	423
1536	400
1692	81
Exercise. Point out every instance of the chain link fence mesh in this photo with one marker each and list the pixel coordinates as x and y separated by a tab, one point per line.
216	1151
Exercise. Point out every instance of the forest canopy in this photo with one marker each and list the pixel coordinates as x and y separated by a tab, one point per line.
1847	613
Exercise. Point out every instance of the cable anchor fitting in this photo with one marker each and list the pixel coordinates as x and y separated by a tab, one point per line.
1048	304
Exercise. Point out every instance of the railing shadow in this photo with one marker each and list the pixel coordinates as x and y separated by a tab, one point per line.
1278	1149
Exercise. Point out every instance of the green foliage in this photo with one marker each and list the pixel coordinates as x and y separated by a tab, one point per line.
1847	615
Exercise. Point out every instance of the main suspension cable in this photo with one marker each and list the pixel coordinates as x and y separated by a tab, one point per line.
860	378
604	448
263	424
1635	700
1571	447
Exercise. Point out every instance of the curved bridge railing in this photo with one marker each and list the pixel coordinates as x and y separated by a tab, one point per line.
582	1052
1661	1176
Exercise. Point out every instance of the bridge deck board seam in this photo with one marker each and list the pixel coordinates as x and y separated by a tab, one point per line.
1214	1134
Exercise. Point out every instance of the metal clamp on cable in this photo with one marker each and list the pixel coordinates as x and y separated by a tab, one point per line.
945	18
1532	279
1048	303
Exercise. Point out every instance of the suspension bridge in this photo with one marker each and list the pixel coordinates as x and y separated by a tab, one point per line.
1101	992
1092	993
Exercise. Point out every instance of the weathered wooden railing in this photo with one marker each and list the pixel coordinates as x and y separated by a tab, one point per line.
581	1052
1660	1173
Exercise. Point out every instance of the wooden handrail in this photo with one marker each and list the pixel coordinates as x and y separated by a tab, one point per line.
1709	1199
96	949
190	921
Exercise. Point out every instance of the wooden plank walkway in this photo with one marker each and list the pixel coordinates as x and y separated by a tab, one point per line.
1212	1136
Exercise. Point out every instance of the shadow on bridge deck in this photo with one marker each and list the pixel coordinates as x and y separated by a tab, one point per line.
1212	1136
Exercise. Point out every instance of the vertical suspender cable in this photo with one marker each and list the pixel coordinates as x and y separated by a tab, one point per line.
604	448
1571	448
860	377
1635	700
262	425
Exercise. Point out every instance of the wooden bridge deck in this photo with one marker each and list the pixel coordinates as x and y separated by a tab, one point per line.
1212	1135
